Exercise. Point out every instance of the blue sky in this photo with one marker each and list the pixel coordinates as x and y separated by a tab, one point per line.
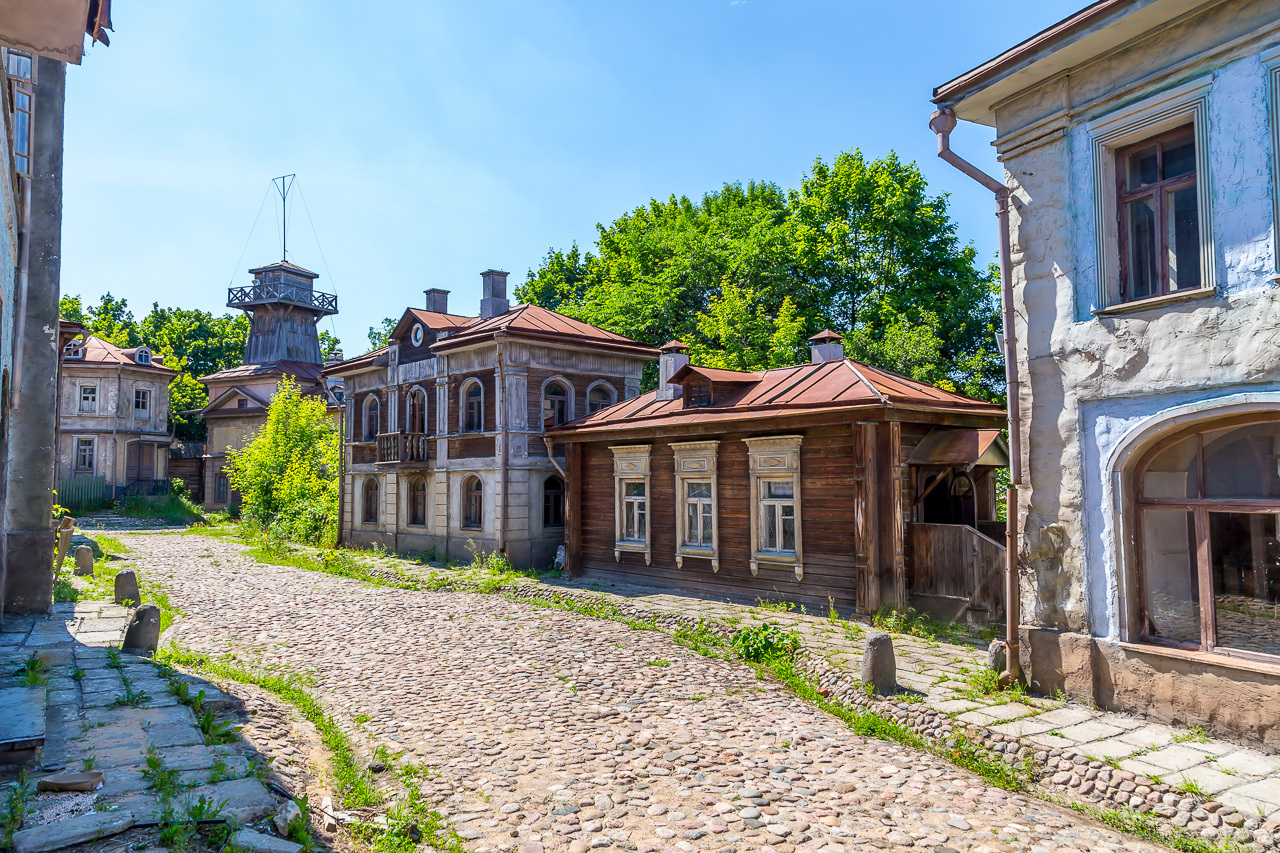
434	140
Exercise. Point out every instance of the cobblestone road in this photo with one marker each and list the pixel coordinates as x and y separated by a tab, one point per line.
552	731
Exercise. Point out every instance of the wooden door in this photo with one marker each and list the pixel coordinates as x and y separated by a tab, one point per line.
139	462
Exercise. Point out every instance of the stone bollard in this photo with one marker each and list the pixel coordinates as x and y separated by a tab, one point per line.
127	588
996	656
142	637
66	528
878	667
84	560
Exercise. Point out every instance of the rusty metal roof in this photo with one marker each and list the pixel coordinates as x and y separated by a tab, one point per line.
297	369
828	385
98	352
534	321
961	447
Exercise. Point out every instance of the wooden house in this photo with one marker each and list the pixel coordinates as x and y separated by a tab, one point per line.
831	481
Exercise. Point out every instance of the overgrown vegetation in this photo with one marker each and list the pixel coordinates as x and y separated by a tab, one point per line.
176	507
287	476
33	672
1147	827
16	808
915	624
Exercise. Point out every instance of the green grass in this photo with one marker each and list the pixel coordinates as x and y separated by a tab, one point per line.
171	509
1146	827
33	672
919	625
1195	734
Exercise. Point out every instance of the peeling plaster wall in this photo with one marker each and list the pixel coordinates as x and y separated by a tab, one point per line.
1091	381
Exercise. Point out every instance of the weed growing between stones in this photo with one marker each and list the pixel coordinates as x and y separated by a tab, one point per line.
701	638
1144	826
410	822
33	672
16	809
984	683
962	752
925	627
299	829
765	642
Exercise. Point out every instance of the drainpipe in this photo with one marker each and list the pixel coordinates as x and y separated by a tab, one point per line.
342	463
500	414
942	122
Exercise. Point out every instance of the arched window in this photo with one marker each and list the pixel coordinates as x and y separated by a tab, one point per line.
473	503
370	515
555	404
372	417
1208	543
415	411
601	395
473	406
418	501
553	502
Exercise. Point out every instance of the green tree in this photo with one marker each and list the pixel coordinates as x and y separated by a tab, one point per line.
329	344
287	476
742	331
380	336
69	308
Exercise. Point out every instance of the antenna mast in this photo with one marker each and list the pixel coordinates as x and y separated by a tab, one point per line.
283	184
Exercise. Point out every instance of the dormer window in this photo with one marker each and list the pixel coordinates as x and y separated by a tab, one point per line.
75	351
142	356
697	395
242	403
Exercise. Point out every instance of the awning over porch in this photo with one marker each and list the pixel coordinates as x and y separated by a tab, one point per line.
961	447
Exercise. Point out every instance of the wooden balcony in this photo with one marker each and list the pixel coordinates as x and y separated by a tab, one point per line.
397	448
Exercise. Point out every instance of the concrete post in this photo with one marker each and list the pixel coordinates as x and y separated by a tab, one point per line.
28	533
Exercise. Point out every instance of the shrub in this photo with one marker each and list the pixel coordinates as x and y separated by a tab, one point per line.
765	642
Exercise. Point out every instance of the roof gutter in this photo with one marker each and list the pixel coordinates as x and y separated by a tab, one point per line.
942	122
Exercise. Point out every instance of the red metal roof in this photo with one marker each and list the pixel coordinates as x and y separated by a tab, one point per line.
806	387
537	322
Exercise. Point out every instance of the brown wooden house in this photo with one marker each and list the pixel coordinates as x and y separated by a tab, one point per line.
827	481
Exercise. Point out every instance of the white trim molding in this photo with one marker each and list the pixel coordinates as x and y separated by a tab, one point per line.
631	465
695	462
772	459
608	386
462	405
542	400
1129	125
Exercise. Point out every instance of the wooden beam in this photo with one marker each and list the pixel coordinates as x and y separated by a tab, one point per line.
573	509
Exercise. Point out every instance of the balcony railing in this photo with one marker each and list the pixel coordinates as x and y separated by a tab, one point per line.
404	447
259	294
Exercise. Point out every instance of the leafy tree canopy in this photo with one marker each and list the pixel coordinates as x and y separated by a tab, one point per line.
380	336
745	275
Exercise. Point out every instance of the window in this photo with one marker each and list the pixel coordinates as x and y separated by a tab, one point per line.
372	417
695	491
415	411
141	403
1208	542
221	487
697	395
553	502
84	455
600	396
370	515
555	404
20	69
473	503
142	356
631	500
88	398
242	403
417	334
418	501
1159	223
472	406
775	502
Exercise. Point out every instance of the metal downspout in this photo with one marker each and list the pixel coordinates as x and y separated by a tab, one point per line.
942	122
501	415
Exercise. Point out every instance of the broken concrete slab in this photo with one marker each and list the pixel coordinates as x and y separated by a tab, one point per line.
247	839
22	709
76	830
247	799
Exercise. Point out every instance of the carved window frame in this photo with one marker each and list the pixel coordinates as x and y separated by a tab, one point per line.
605	386
772	459
695	462
78	444
1271	62
421	395
462	406
631	465
80	397
568	401
371	401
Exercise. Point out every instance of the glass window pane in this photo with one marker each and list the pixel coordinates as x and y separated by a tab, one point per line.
699	490
640	521
1143	168
771	528
691	524
1243	554
1182	237
1175	472
706	524
1179	158
634	490
779	489
788	532
1243	462
1141	215
1169	575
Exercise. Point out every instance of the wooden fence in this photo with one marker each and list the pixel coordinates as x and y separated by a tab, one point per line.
82	492
955	565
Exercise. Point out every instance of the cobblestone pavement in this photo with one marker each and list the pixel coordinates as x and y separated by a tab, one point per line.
552	731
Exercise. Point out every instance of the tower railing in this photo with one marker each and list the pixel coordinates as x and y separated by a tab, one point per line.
259	294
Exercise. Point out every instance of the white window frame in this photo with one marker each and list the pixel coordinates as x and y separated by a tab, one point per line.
631	465
93	454
568	400
607	386
370	401
1169	110
1271	62
462	406
695	462
410	482
80	409
142	355
772	459
146	410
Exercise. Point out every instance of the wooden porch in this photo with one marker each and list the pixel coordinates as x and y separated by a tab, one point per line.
955	572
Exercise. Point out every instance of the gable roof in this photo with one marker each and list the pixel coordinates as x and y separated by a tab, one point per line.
538	323
302	370
359	362
825	386
431	319
100	353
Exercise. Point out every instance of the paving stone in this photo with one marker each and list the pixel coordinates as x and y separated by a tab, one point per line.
1266	790
1020	728
64	833
1069	716
247	799
1089	731
1249	762
1211	781
1110	748
248	839
1175	757
1149	735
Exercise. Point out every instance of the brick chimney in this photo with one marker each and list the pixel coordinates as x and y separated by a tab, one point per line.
437	300
493	294
825	346
674	356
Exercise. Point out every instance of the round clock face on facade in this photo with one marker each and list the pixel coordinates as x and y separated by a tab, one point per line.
417	334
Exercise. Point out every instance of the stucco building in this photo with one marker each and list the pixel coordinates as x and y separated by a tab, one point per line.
443	428
283	308
1139	145
113	413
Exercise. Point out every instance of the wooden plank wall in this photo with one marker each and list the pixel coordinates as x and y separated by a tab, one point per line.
828	519
956	561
